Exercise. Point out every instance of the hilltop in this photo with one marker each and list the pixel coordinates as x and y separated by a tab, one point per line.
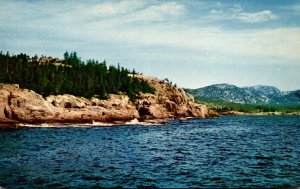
260	94
260	99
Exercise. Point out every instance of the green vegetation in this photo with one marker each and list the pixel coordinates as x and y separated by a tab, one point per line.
49	76
248	108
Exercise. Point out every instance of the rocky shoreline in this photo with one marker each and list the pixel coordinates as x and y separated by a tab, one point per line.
22	106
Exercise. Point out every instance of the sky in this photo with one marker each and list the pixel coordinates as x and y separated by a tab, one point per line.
192	43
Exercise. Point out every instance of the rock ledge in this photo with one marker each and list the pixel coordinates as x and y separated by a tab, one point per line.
26	106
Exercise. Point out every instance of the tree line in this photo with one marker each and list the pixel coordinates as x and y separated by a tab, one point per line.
49	76
221	106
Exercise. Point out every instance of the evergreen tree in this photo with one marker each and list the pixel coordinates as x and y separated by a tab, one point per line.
71	76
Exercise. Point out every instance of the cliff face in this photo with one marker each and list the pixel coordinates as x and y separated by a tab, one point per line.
26	106
169	102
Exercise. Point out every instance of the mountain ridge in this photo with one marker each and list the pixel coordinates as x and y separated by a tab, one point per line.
257	94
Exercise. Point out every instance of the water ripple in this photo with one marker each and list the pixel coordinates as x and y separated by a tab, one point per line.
233	151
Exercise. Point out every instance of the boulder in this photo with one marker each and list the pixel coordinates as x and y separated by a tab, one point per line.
68	101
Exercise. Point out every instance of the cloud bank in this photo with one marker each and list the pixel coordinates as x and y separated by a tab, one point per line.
141	23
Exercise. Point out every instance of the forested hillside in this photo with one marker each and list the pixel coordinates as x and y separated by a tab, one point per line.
258	95
51	76
260	98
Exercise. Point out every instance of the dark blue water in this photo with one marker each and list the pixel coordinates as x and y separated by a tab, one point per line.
232	151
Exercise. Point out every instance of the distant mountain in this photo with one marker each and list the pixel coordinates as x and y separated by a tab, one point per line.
259	94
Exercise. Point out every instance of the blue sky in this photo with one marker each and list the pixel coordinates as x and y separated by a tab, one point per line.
193	43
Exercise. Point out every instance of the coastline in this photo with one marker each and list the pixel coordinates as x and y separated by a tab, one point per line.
134	122
95	124
22	107
259	113
25	108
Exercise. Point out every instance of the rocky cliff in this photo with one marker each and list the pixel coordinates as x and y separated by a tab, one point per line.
26	106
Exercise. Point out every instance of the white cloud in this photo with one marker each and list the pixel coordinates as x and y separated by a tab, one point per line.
236	12
236	9
160	12
108	9
267	43
257	17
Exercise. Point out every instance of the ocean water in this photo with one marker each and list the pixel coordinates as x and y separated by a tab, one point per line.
231	151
